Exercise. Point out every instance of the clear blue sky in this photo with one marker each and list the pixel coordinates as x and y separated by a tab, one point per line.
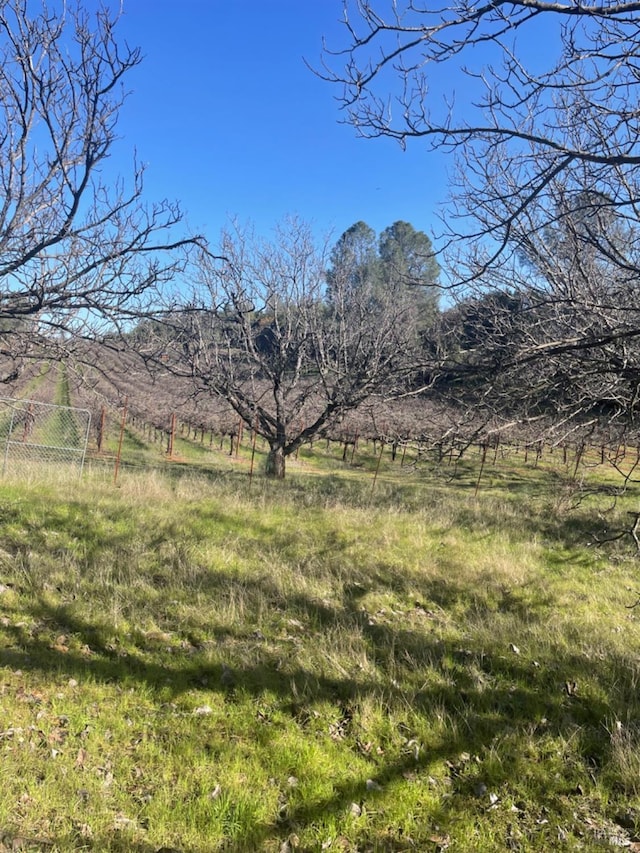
230	121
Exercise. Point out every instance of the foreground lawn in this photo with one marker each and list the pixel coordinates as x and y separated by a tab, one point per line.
188	664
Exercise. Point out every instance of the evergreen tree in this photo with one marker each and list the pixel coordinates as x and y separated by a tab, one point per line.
409	268
354	258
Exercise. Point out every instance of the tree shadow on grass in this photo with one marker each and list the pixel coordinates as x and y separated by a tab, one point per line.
491	694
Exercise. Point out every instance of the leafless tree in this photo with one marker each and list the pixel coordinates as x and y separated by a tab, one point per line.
75	248
580	108
260	332
515	125
541	231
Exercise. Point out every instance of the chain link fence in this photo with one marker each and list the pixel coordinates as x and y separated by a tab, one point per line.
35	435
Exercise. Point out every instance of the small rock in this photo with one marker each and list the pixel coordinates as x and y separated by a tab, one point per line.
122	822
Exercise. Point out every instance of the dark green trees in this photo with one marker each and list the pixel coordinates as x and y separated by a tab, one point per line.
409	266
356	256
399	265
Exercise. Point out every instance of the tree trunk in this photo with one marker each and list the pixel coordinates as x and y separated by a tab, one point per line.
275	462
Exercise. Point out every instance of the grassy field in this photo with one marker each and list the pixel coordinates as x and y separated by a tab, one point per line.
192	663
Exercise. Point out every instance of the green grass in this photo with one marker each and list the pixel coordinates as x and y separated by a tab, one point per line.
191	661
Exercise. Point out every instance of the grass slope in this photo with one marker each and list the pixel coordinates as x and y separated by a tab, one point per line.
190	664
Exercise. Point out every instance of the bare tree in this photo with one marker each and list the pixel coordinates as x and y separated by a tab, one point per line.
550	333
541	231
515	125
75	249
260	333
582	108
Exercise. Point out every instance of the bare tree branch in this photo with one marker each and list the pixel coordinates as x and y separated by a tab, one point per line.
74	250
260	332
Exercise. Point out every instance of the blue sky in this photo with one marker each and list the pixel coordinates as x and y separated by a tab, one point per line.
230	121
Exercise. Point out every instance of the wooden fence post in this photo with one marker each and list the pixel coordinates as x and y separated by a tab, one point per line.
239	438
375	476
171	436
253	453
103	415
484	456
355	443
120	440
